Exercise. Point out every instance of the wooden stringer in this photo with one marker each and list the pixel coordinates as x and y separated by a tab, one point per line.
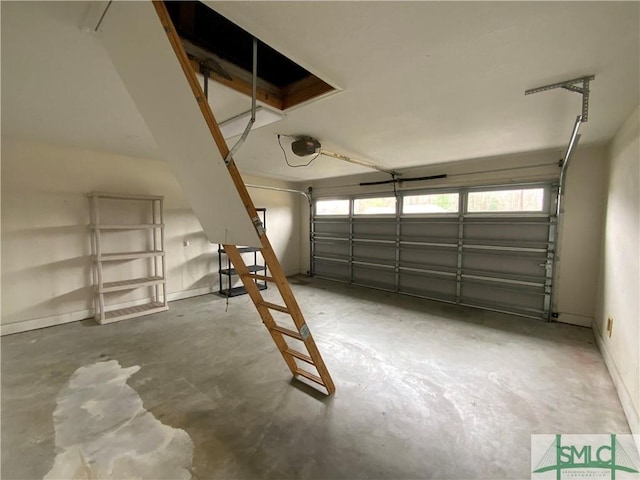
293	358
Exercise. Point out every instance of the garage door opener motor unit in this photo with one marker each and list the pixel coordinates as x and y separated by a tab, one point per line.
305	146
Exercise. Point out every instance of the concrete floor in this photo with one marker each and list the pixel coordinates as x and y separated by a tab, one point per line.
424	390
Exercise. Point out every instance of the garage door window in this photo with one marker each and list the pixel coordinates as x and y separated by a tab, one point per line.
431	204
374	206
332	207
519	200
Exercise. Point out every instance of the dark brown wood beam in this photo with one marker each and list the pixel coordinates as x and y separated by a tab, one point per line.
187	16
303	90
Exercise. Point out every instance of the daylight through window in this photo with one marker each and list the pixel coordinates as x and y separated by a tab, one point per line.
332	207
431	203
520	200
374	206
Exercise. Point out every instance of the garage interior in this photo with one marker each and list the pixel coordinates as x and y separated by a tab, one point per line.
465	256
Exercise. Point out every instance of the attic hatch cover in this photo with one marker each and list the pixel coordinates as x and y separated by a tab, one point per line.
212	42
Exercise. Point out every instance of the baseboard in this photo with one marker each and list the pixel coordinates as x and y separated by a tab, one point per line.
623	394
196	292
573	319
36	323
62	318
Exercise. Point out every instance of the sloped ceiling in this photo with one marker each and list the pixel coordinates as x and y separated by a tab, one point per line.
420	82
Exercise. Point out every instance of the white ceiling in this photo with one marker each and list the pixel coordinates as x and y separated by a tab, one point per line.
421	82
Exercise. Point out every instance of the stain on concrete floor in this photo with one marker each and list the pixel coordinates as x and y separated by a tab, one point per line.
102	431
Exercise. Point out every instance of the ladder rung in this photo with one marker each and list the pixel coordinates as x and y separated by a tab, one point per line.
288	332
300	355
273	306
310	376
264	278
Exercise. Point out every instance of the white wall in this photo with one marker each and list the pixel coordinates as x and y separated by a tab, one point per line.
283	219
581	224
305	239
46	264
580	238
619	286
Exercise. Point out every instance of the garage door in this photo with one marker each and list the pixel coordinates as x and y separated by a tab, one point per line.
486	247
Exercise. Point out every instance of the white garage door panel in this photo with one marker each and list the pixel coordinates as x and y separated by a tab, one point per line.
141	53
434	286
516	232
365	229
376	277
504	263
508	298
384	254
332	228
333	270
429	231
428	257
333	248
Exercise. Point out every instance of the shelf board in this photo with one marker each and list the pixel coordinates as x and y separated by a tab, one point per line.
130	284
251	268
125	196
243	249
131	312
127	226
235	291
106	257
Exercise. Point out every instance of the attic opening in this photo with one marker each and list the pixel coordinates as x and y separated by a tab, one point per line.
218	45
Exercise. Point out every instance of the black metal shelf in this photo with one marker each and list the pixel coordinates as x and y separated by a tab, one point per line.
259	265
242	249
235	291
251	268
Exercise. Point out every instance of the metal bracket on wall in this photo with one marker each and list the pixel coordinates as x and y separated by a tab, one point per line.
572	86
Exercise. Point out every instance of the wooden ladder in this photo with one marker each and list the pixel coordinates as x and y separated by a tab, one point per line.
278	333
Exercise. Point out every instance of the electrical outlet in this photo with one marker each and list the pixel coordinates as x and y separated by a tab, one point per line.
610	325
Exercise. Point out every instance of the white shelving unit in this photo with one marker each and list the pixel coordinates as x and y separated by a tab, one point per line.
154	257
